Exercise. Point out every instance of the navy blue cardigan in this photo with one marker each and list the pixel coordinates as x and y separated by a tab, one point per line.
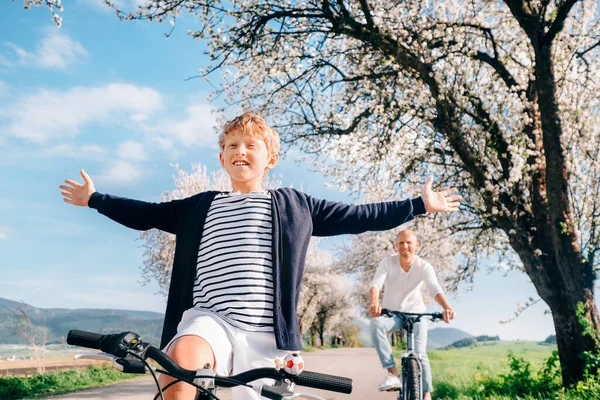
296	217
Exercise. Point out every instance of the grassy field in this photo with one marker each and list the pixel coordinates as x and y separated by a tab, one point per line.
25	352
457	370
463	366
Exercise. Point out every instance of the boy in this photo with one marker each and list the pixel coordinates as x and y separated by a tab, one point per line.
240	256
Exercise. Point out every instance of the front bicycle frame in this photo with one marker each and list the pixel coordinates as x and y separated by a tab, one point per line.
410	358
407	358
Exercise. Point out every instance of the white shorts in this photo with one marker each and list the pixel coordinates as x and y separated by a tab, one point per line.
235	350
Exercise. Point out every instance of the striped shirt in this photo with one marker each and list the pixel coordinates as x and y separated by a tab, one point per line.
234	273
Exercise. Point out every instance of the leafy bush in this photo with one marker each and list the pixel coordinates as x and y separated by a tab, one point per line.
19	387
520	382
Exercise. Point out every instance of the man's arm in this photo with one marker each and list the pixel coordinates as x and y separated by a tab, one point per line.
375	287
375	307
448	312
433	286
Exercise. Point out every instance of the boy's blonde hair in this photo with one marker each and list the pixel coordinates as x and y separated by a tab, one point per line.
251	124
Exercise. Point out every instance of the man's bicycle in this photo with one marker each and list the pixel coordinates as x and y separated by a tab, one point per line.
412	388
129	354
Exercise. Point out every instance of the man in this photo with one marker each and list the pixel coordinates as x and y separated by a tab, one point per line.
403	275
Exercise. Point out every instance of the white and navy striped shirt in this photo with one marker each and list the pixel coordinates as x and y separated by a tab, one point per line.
234	273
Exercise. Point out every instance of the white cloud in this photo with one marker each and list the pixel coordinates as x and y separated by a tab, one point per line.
55	51
139	117
197	129
49	114
121	172
131	150
163	143
80	152
3	233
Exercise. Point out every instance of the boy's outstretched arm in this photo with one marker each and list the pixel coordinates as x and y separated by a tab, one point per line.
441	201
78	194
334	218
135	214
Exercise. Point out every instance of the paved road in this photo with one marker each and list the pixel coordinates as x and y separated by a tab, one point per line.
362	365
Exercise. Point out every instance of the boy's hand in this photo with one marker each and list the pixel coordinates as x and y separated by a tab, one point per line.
78	194
439	201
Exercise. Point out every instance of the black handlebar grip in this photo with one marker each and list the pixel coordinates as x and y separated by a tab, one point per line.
386	313
90	340
325	382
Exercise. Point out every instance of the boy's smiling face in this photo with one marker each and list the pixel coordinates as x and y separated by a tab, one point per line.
246	159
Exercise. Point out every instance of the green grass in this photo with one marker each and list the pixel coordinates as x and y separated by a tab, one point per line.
308	349
24	351
42	385
459	371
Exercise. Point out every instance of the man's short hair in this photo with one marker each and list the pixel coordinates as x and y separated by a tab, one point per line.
407	231
251	124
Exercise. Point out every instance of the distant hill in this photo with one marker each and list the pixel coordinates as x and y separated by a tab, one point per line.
59	321
436	338
472	341
442	337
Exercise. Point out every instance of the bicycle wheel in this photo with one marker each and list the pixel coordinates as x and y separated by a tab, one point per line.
411	374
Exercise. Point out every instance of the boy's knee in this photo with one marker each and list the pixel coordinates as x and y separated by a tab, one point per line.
192	352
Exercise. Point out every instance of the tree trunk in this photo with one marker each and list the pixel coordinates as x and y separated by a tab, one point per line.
570	336
568	279
313	336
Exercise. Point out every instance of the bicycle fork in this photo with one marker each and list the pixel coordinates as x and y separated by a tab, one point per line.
406	368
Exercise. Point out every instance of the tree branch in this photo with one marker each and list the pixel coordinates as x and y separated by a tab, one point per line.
559	21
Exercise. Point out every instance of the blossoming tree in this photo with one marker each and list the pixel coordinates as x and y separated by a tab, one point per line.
497	98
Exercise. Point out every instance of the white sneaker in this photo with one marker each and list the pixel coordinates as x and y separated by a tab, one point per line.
390	382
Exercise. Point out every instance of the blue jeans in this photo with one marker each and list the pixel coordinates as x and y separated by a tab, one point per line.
381	325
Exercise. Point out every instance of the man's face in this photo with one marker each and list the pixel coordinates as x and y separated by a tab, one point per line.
245	157
406	244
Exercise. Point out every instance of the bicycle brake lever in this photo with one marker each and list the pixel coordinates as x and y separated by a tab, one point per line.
122	364
274	392
304	395
95	356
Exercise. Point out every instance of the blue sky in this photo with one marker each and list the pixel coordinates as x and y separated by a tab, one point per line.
113	98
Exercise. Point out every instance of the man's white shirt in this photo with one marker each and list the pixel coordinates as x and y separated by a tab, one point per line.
403	289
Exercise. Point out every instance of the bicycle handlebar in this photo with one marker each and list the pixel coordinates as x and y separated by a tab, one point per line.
128	342
433	316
